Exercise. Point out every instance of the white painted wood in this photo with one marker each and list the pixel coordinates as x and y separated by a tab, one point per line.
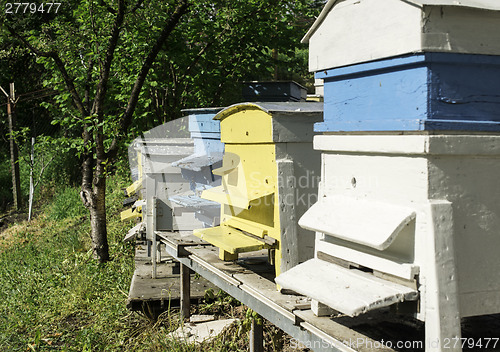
349	291
151	227
185	220
288	219
321	310
367	222
301	190
422	144
355	31
479	4
442	310
133	232
370	259
196	162
385	178
479	303
411	171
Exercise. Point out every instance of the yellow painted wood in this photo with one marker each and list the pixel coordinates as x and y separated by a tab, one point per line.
230	240
137	185
134	187
248	226
232	196
226	256
131	190
229	163
250	125
131	213
316	98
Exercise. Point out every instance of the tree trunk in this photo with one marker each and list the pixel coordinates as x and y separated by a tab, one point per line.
100	248
93	196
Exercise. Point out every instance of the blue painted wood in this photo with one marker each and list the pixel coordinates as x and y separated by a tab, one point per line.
431	91
203	123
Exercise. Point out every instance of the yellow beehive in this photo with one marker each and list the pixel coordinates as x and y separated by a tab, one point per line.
268	150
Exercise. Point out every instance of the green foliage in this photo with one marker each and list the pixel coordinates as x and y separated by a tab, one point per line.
53	165
6	181
214	47
222	43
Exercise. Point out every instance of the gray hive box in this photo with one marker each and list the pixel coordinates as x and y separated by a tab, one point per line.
274	91
353	31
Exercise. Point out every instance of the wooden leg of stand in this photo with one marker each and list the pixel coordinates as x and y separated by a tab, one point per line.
185	291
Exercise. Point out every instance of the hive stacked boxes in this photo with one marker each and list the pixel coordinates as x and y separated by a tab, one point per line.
268	149
171	165
408	205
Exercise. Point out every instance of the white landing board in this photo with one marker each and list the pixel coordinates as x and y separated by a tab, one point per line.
349	291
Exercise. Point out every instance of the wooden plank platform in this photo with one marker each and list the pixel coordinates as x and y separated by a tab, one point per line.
153	296
250	279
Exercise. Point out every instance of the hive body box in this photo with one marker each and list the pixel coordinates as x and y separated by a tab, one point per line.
197	167
429	91
268	148
273	91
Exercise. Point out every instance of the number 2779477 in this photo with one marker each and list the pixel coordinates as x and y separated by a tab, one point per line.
31	7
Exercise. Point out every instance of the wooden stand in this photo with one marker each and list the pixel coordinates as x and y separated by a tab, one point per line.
257	337
185	291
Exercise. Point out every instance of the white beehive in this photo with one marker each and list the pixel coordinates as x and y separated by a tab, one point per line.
407	216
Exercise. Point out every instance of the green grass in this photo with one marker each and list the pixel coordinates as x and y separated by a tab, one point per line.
55	297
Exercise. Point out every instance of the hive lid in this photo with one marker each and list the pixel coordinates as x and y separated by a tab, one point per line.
493	5
272	108
201	111
370	223
348	291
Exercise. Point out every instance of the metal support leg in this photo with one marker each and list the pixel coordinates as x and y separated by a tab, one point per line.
185	291
257	337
